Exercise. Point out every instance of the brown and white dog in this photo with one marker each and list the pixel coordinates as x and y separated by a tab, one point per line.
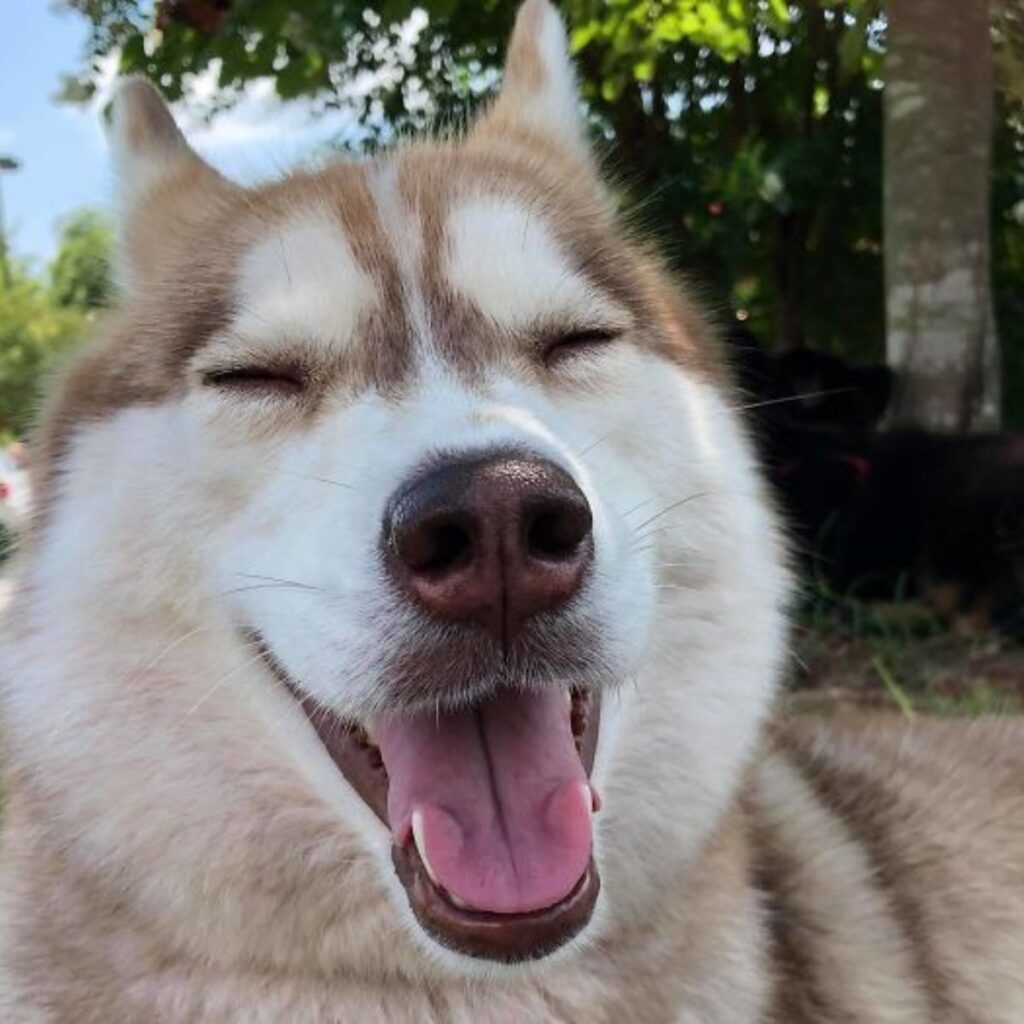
416	667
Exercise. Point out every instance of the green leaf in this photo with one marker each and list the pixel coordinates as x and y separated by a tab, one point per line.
611	89
584	35
133	55
643	70
821	101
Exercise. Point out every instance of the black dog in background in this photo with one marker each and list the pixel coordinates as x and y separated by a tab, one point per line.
886	514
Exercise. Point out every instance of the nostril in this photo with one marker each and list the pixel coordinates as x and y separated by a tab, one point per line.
452	548
555	534
435	548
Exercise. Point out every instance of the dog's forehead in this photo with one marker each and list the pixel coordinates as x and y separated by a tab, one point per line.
485	240
302	279
504	257
409	256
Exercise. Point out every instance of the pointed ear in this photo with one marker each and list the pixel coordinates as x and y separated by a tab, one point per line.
164	189
539	95
148	148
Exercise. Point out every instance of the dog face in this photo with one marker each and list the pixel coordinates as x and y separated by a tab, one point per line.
437	604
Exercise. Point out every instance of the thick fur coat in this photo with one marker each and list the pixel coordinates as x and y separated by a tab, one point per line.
178	846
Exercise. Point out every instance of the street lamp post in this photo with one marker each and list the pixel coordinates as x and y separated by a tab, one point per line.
7	163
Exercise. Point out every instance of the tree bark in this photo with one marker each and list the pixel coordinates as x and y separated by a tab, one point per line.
939	100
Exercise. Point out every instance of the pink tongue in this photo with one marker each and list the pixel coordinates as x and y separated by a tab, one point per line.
500	790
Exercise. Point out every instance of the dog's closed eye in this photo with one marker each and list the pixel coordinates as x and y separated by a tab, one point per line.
257	381
559	347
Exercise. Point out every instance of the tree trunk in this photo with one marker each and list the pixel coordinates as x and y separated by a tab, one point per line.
939	99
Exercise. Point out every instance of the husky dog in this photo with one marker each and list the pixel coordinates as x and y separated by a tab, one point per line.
417	666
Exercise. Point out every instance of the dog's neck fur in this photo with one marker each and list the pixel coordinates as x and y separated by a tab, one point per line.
703	955
836	887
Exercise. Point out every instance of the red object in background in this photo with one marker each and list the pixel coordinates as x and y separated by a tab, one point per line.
861	466
716	208
5	490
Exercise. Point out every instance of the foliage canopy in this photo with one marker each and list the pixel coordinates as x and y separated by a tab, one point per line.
80	274
43	315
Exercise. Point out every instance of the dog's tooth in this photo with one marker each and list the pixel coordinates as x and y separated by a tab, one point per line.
421	846
417	835
452	898
588	797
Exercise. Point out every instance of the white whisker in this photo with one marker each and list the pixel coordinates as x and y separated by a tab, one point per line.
671	508
224	679
792	398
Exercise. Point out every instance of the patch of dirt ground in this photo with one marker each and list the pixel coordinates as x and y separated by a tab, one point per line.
899	657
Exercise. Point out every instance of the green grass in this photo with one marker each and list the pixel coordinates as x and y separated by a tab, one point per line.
899	655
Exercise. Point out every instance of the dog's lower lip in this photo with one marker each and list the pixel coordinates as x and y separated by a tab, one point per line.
510	938
507	937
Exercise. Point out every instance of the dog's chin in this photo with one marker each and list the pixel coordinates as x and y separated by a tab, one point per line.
489	807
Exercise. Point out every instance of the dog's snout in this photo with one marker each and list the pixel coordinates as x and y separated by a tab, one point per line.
491	540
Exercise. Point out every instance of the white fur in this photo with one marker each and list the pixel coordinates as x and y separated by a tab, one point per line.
302	282
503	258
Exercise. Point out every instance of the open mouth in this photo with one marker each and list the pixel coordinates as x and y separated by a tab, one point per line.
489	810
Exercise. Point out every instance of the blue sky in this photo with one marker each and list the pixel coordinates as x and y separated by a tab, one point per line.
63	150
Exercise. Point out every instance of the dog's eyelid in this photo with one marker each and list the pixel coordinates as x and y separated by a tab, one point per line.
256	380
556	345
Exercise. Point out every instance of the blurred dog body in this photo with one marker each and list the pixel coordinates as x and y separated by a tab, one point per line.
879	514
418	667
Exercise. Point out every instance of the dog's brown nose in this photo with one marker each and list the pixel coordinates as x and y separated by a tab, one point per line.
491	540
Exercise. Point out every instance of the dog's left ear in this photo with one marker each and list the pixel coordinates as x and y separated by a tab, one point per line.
539	96
164	188
148	148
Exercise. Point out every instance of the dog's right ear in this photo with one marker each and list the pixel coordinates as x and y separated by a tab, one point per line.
161	182
539	95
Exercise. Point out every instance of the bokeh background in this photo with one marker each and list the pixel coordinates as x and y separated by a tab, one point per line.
841	180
